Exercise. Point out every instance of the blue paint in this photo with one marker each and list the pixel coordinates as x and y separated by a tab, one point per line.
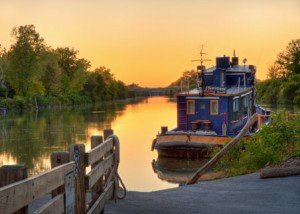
229	75
223	62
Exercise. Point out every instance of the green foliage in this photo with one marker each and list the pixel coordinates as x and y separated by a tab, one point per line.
73	70
283	85
24	69
52	73
188	79
273	144
32	72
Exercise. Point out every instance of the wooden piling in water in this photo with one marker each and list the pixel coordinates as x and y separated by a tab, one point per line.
13	173
58	158
77	152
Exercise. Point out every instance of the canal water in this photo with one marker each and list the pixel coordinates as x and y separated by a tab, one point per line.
29	138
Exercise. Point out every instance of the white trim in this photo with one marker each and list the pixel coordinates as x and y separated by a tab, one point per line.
246	94
232	74
203	98
236	97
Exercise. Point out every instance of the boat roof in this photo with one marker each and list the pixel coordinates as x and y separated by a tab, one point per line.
232	91
235	68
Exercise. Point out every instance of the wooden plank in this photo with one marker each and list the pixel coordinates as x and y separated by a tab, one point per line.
223	151
54	206
99	170
58	158
70	193
97	189
104	197
13	173
98	152
77	152
19	194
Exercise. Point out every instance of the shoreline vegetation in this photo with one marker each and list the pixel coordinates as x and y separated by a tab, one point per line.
35	75
273	144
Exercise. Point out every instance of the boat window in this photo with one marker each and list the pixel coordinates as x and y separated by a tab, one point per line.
236	105
190	107
202	106
214	107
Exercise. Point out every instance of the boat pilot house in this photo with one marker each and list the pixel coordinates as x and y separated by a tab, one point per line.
223	101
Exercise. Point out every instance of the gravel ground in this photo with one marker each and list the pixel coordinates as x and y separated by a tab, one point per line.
242	194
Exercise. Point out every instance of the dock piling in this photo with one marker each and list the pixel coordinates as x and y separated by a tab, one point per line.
77	155
107	133
13	173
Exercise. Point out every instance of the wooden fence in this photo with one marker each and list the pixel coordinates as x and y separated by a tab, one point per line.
67	181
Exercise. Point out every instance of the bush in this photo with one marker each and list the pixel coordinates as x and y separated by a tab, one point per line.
272	144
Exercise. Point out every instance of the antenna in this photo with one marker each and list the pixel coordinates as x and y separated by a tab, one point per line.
201	60
200	76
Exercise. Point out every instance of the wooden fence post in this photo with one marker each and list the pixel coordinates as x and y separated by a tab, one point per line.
13	173
107	133
58	158
77	152
97	189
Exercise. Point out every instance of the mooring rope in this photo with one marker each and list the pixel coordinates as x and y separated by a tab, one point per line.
123	187
117	179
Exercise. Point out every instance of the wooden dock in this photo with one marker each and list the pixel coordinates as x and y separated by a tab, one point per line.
67	181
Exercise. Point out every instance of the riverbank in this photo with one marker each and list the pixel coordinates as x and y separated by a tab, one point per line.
242	194
16	105
273	144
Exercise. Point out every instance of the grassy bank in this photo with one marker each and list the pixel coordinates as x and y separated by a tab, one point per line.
272	144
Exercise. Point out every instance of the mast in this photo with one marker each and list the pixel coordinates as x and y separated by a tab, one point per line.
201	69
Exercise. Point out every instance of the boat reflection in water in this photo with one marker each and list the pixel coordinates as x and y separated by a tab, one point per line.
179	171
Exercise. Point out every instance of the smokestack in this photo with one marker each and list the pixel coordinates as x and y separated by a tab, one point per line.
234	59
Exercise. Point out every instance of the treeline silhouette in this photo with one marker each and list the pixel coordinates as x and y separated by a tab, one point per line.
34	74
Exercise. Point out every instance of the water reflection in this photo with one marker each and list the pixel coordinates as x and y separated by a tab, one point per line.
179	171
30	138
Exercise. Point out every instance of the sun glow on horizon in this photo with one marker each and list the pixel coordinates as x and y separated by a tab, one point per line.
152	42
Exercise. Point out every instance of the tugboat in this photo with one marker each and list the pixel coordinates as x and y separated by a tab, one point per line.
214	112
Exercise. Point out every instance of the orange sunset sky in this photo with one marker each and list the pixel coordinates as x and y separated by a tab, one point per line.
152	42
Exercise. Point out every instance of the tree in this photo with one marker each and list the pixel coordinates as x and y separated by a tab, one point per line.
283	83
274	72
289	60
122	90
94	86
74	70
52	73
188	78
24	69
109	85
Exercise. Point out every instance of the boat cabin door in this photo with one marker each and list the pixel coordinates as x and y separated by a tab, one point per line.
202	110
